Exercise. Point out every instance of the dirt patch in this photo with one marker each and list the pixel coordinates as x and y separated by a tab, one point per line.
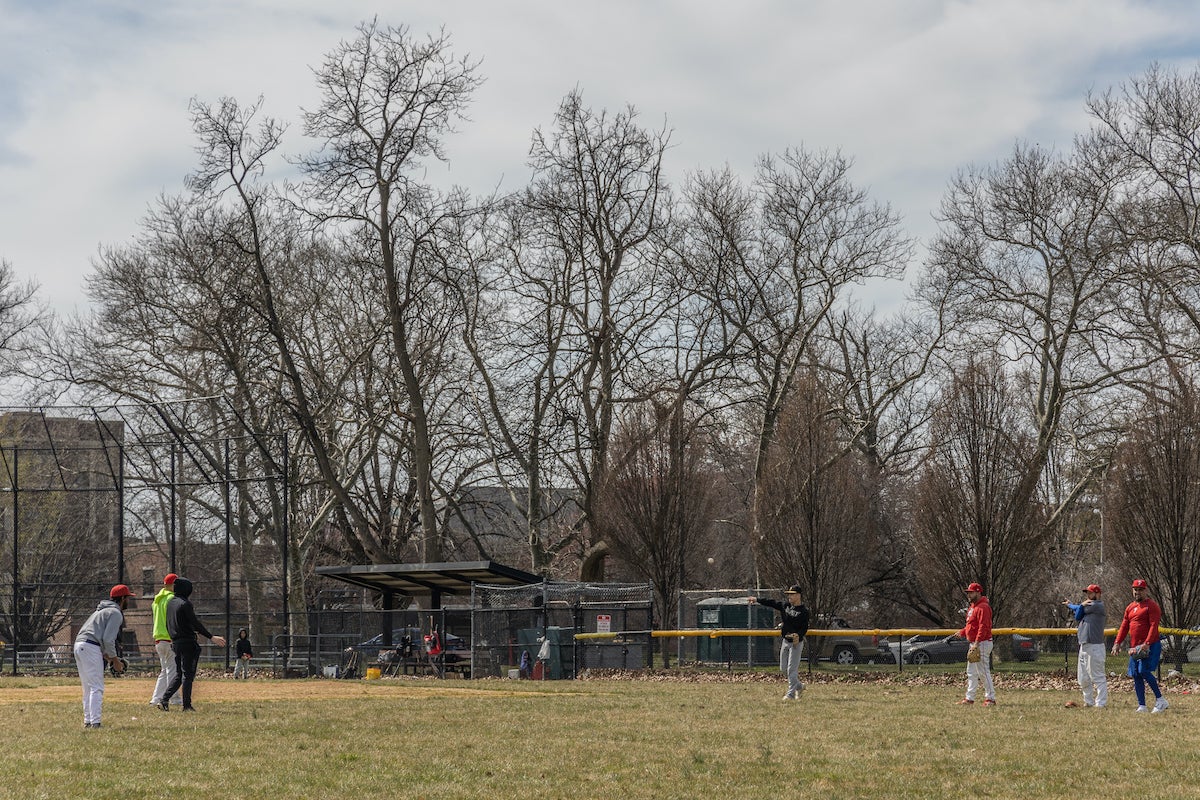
227	690
124	690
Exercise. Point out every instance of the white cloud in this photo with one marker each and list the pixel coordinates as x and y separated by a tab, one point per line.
93	96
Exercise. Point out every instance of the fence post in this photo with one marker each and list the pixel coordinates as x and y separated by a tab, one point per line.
15	616
228	549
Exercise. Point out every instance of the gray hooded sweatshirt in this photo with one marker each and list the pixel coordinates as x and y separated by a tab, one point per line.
103	627
1091	621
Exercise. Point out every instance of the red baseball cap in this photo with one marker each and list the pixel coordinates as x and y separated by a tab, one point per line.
1140	584
1092	588
119	591
171	576
974	587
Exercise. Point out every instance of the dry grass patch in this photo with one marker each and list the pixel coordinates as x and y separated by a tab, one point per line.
589	739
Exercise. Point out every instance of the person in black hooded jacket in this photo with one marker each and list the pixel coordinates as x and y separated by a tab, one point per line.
184	626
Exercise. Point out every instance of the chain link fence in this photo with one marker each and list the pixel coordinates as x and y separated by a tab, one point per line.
726	608
95	496
528	631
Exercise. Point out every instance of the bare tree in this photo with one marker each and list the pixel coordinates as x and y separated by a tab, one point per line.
575	291
1151	505
1029	264
779	254
815	517
657	500
388	101
60	535
973	520
21	317
172	322
1145	138
225	294
879	375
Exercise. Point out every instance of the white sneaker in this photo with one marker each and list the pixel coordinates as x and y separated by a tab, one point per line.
1141	710
789	696
1160	705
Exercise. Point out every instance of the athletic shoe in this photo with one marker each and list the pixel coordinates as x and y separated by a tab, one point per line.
989	702
189	708
799	691
966	702
1141	710
164	706
1160	705
789	696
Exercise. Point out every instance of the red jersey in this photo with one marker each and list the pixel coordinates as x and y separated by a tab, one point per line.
1140	622
979	622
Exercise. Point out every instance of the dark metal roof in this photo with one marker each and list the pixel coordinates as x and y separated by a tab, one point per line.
453	577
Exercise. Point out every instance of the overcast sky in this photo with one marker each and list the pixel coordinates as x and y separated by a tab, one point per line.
93	94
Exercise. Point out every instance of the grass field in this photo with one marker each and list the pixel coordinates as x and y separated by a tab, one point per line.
651	738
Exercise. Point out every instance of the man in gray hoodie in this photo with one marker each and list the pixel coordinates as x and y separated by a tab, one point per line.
96	646
1090	672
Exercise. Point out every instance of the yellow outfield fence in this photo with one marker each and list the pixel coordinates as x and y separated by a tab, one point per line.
716	633
879	647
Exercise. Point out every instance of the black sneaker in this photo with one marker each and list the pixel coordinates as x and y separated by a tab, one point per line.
165	705
189	708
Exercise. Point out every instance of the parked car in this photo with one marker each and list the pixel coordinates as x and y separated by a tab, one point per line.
869	649
1176	651
931	649
1025	648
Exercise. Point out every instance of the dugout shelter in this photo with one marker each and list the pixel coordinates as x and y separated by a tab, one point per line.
515	618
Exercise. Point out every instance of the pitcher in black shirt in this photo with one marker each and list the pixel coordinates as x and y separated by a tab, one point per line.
183	625
795	626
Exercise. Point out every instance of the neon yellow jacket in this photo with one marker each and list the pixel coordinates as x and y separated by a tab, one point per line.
160	613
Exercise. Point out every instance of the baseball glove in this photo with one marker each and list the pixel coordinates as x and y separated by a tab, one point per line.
118	666
973	655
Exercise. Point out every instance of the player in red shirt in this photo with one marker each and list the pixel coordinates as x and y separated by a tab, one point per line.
978	631
1141	624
